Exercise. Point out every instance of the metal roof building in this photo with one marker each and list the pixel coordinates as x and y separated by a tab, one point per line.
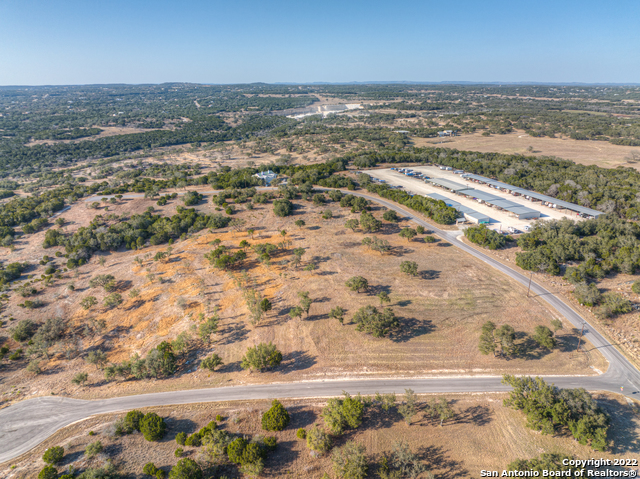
532	194
469	213
448	184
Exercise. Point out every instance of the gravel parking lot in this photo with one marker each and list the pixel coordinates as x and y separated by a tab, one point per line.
500	219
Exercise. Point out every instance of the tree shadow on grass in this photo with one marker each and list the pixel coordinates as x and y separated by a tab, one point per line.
528	349
233	367
179	425
411	328
280	463
479	415
296	361
233	333
438	459
429	274
623	431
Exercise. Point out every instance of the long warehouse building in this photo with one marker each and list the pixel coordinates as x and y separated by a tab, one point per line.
533	196
519	211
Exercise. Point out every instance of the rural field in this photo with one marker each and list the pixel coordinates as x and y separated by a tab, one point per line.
440	311
585	152
483	435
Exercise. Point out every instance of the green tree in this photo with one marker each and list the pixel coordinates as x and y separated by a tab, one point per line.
487	338
352	224
48	472
383	296
305	301
211	362
235	450
391	216
409	268
282	207
377	323
318	440
53	455
337	313
342	413
350	461
132	421
208	327
300	223
261	357
186	469
152	427
295	312
408	233
88	302
506	336
357	283
80	378
544	337
98	358
276	418
106	281
113	300
93	449
408	408
369	223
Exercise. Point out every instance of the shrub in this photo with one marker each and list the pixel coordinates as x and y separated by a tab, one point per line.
113	300
179	452
282	207
270	442
318	440
181	437
235	450
391	216
186	469
219	418
261	357
211	362
53	455
48	472
429	239
485	237
420	230
150	469
152	427
587	294
23	330
194	440
301	433
88	302
132	421
635	287
350	461
409	267
93	449
374	322
276	418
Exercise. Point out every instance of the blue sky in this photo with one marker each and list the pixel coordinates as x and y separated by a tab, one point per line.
241	41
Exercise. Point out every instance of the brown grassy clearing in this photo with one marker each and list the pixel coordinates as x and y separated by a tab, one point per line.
485	435
600	153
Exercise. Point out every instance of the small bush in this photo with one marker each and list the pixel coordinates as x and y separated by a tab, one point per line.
152	427
179	452
132	421
301	433
181	437
276	418
53	455
49	472
429	239
93	449
219	418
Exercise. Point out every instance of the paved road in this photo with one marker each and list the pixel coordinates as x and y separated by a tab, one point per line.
28	423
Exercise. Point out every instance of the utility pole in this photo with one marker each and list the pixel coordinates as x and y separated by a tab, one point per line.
580	338
529	289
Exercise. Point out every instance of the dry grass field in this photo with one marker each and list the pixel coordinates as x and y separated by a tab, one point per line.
600	153
440	311
484	435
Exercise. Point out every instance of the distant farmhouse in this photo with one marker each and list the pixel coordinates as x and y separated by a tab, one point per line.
268	176
447	133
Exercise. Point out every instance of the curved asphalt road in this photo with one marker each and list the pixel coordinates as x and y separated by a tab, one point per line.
28	423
